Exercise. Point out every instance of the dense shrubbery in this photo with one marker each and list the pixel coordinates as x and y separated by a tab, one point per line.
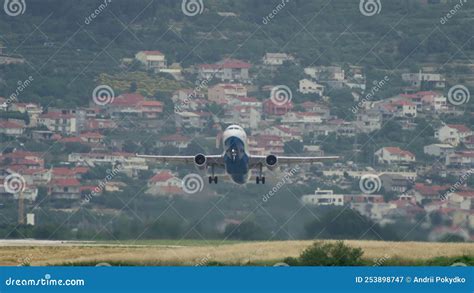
328	254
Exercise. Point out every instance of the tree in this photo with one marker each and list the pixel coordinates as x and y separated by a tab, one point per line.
330	254
293	147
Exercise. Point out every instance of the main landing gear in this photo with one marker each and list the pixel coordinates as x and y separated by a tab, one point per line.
212	178
260	177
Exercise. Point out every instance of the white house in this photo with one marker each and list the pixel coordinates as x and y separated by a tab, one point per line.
310	87
438	149
11	128
433	80
453	134
276	58
390	155
59	122
323	198
164	183
154	60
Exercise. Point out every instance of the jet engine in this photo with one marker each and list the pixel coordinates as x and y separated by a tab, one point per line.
200	161
271	161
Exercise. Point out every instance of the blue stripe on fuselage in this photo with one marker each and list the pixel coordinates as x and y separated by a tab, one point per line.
236	166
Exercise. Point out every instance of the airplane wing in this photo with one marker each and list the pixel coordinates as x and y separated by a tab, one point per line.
255	160
213	159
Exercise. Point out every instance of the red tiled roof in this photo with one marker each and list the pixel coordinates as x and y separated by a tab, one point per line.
398	151
133	99
10	125
70	139
65	182
459	127
430	189
175	137
56	115
162	177
227	63
152	52
91	135
151	104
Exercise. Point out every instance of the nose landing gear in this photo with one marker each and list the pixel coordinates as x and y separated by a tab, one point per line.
260	177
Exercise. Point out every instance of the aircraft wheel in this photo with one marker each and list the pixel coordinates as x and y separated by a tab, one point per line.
215	179
257	180
210	180
263	180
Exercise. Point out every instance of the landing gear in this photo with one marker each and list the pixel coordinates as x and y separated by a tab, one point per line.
260	177
212	178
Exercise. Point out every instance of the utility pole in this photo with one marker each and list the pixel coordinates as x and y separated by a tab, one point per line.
21	209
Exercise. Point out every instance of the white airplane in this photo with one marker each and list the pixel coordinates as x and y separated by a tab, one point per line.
236	159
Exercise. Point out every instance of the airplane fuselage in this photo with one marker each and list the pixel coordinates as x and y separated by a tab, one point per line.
236	157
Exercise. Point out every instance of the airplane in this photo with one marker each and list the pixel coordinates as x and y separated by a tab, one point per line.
236	159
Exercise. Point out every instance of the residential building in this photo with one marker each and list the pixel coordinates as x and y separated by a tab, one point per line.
175	140
59	122
423	80
152	60
461	159
231	70
223	92
277	58
273	109
188	120
164	183
394	155
453	134
307	86
323	198
439	150
11	128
